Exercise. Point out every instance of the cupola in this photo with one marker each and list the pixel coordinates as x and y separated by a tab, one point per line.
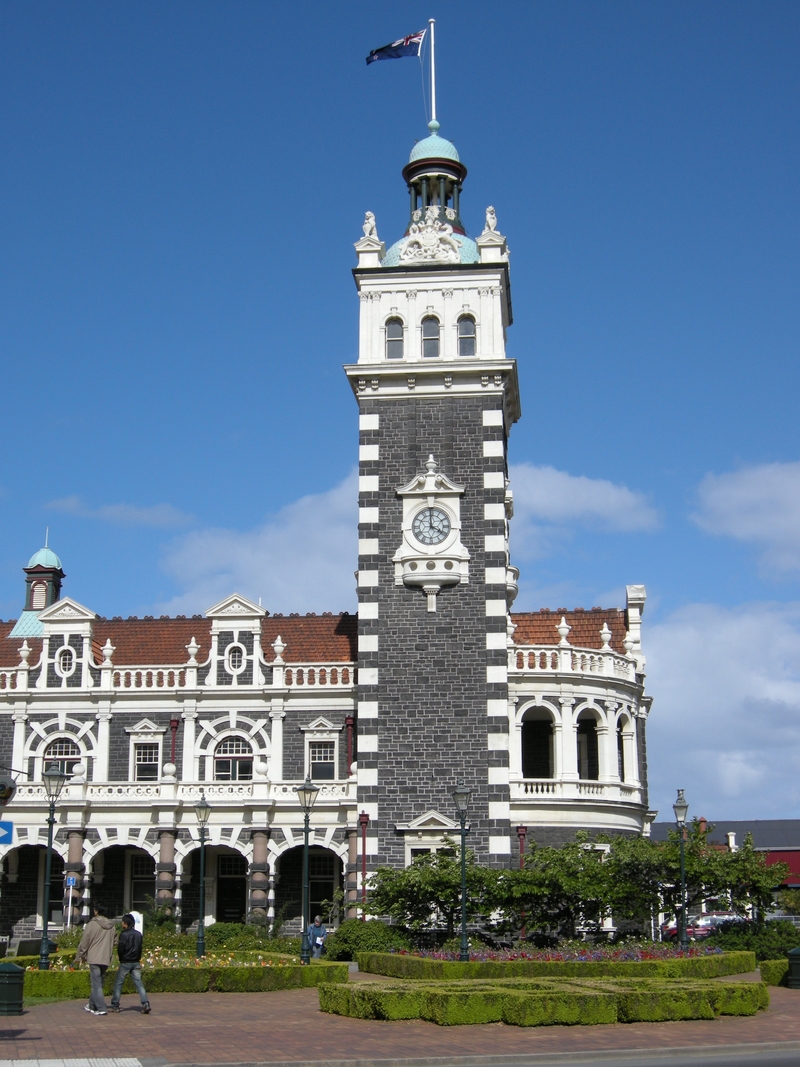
434	175
43	577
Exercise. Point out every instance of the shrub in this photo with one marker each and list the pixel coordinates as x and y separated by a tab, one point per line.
768	940
355	935
774	972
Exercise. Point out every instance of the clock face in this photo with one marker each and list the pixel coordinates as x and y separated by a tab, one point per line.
431	526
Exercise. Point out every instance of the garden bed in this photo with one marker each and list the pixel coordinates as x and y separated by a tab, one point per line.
570	1002
400	965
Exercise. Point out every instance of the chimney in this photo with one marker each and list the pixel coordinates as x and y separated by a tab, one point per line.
703	823
731	836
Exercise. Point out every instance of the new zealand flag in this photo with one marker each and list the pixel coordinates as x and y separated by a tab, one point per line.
406	46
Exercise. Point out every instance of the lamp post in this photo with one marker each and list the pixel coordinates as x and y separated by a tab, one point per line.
681	808
306	794
54	779
202	810
461	795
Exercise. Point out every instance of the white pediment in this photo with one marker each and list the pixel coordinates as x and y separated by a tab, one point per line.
145	726
235	607
430	483
431	820
321	724
67	610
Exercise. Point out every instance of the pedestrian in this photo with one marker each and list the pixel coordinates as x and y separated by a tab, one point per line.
317	932
129	951
96	949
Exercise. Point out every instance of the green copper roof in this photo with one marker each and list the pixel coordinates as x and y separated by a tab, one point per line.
468	253
45	557
27	625
434	147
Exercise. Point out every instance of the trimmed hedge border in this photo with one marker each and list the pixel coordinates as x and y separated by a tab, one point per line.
545	1003
395	965
774	972
74	984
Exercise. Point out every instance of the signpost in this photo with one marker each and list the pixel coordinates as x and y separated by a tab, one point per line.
70	881
6	833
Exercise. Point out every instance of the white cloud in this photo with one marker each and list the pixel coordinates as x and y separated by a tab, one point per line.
760	505
548	501
159	516
725	723
302	559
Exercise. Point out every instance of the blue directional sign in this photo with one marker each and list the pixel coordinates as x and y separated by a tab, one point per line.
6	833
71	881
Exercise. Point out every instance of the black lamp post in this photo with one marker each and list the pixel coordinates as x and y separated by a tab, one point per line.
306	794
461	795
681	808
202	810
53	778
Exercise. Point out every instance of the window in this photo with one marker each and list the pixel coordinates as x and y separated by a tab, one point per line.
235	658
38	596
143	881
233	760
145	763
229	866
537	745
64	753
430	337
65	662
322	758
588	758
620	753
394	339
466	336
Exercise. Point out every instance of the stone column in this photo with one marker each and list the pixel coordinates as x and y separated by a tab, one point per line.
351	886
259	875
165	869
100	768
276	742
76	868
187	760
569	741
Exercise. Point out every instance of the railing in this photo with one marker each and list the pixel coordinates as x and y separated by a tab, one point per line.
8	679
114	793
528	789
546	659
150	678
339	675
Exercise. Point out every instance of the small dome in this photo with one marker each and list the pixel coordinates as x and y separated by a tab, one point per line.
433	147
468	253
45	557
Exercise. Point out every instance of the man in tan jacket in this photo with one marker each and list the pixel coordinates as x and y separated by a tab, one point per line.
97	948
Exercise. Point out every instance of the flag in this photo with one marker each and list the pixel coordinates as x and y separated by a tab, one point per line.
406	46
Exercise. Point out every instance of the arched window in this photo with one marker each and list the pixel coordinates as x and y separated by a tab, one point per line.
38	596
588	756
233	760
430	337
65	662
466	336
64	753
620	753
394	339
537	744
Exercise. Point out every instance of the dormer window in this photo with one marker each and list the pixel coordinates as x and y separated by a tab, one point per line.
65	662
466	336
236	659
430	337
394	339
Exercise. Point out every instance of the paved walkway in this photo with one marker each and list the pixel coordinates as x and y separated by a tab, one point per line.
287	1027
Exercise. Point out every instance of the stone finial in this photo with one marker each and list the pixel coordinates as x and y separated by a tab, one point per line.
605	633
78	776
278	648
108	651
563	629
192	648
628	642
24	652
431	465
169	773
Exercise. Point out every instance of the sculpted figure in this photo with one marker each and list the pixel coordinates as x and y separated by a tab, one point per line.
491	220
369	227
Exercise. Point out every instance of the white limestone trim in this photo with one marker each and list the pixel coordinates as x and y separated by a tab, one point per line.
495	576
494	480
368	643
496	641
496	674
368	610
371	808
496	706
499	809
371	850
368	453
500	846
369	514
367	776
494	543
491	512
368	578
368	709
497	742
496	607
368	676
493	449
369	422
493	418
368	546
498	776
367	743
368	483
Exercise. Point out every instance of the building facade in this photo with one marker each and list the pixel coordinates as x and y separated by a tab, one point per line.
434	681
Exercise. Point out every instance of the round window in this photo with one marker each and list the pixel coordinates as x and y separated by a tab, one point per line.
66	661
235	658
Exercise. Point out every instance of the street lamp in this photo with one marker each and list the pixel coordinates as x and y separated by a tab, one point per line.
202	810
681	808
306	795
461	795
53	778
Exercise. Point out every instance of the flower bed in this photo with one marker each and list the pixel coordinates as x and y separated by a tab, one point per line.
543	1003
402	965
577	951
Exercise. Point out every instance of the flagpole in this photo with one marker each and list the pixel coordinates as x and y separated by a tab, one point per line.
432	23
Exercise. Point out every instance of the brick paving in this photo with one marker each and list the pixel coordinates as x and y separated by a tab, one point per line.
198	1028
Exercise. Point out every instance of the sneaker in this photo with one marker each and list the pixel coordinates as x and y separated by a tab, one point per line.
115	1007
146	1008
87	1007
99	1013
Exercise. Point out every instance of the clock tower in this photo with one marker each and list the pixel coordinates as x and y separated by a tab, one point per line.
437	397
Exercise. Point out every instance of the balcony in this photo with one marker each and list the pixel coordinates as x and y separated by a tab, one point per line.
545	790
148	794
525	660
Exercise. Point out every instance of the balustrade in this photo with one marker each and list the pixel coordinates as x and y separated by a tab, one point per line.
307	675
8	679
150	678
529	789
541	659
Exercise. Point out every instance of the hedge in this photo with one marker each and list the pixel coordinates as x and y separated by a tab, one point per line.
396	965
69	984
545	1003
774	972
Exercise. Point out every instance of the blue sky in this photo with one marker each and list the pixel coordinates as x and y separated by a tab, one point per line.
180	188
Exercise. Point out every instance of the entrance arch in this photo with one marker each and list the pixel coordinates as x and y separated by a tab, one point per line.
324	878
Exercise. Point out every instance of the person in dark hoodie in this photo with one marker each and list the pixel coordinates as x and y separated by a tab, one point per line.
97	948
129	951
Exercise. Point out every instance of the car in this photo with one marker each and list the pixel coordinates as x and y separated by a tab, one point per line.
699	926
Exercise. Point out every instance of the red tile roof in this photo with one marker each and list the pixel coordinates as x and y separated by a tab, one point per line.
9	650
541	627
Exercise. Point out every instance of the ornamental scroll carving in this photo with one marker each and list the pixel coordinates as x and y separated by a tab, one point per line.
430	240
